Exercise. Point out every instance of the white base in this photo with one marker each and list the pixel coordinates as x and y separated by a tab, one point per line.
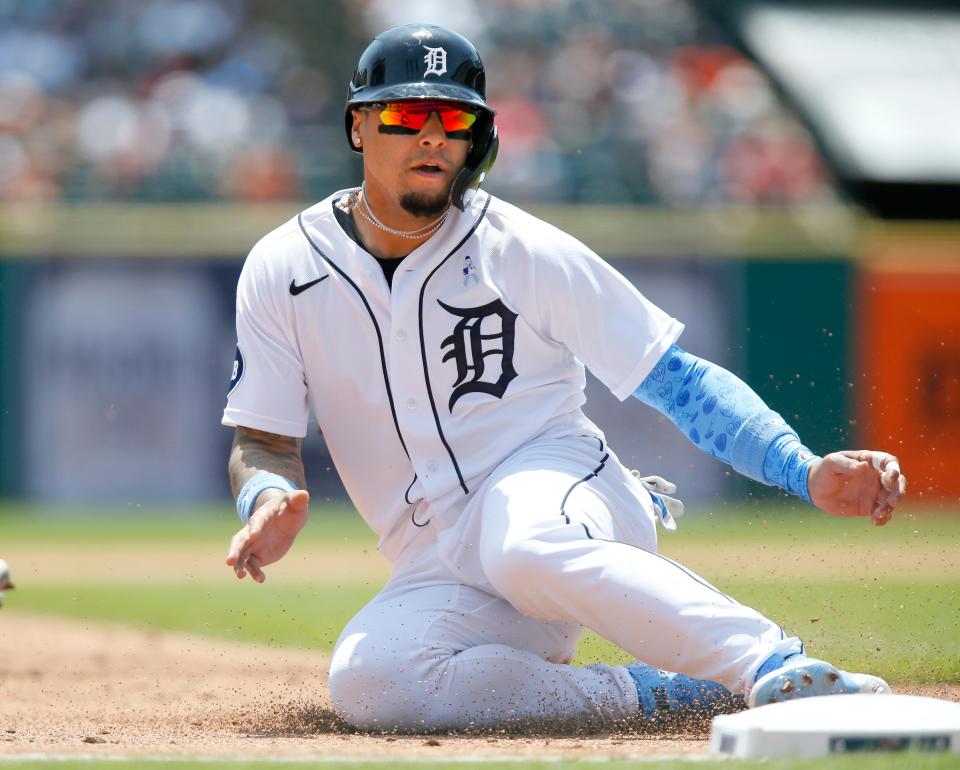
838	724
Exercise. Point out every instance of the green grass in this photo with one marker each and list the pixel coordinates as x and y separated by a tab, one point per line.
36	524
793	521
731	525
912	761
890	628
906	628
308	616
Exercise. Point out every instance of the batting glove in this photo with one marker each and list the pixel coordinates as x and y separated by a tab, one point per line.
668	508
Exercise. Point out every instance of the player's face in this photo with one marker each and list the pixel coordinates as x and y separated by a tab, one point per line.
412	170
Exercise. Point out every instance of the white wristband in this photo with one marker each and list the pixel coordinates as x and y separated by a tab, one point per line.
257	484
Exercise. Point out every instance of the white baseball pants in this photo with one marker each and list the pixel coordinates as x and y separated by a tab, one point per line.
478	623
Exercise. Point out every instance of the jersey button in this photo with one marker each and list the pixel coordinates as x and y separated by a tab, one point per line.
411	403
432	466
401	335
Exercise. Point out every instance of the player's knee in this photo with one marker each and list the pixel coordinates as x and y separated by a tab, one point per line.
367	699
363	685
374	688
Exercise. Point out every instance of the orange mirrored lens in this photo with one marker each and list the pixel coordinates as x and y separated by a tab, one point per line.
414	115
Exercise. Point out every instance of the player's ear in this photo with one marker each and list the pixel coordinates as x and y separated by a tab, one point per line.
355	129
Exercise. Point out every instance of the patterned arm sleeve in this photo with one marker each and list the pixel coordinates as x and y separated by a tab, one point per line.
725	418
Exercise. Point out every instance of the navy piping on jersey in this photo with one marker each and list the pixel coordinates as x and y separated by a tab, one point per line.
406	495
590	536
680	567
592	474
413	513
376	328
423	346
599	441
413	518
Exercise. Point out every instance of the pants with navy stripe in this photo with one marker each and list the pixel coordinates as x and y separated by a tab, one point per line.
479	621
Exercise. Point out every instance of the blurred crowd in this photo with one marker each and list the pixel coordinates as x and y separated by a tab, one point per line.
619	101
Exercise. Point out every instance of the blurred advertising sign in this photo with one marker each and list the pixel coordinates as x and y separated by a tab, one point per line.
909	392
119	396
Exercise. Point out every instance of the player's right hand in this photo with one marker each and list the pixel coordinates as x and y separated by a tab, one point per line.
268	535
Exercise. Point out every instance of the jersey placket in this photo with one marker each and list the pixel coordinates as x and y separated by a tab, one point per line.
406	363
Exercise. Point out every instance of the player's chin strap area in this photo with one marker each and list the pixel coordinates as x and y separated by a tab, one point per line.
669	509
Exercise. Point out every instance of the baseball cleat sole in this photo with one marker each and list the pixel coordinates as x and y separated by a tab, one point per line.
805	678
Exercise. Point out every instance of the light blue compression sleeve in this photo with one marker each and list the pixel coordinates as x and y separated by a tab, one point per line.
725	418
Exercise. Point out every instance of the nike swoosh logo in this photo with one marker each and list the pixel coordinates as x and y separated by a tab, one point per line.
295	290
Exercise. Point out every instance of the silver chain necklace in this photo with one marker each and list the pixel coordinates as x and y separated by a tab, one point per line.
414	235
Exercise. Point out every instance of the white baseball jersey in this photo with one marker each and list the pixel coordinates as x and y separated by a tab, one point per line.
422	390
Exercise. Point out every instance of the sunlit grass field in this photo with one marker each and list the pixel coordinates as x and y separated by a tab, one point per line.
885	600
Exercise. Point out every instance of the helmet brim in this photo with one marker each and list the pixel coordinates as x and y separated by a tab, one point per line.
414	91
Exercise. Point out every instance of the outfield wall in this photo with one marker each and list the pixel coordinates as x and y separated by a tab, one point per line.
116	340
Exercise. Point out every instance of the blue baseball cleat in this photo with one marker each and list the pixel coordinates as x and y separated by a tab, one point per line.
798	676
662	691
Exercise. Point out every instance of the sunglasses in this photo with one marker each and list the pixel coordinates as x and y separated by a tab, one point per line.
411	117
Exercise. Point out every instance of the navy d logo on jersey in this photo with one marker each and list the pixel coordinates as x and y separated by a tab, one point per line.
470	345
237	374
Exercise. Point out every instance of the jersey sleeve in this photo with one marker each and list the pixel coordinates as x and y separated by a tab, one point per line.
616	332
268	390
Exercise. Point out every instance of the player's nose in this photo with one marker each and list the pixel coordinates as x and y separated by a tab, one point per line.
432	133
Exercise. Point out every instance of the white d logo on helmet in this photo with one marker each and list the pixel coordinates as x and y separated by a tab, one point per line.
436	60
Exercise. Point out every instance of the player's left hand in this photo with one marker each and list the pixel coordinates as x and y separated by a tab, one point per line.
858	483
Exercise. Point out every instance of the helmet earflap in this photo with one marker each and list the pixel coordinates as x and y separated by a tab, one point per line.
479	162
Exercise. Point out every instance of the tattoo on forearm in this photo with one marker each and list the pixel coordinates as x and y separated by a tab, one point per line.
254	451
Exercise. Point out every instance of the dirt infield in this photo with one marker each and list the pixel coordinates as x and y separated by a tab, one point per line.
73	688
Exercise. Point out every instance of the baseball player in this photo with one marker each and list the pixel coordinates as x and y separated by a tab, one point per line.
439	336
5	582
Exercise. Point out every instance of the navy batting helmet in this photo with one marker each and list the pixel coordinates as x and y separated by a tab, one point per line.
423	61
